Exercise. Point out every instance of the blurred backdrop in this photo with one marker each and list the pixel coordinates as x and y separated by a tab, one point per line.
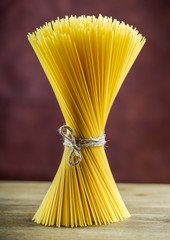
138	127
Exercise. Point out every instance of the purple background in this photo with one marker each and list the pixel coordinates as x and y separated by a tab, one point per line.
138	128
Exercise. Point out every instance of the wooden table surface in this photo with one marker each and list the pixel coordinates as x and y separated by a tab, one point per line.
149	205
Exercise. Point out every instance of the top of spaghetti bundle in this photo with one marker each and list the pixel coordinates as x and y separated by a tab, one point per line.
71	26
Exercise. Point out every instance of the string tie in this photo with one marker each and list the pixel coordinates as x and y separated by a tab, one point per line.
76	144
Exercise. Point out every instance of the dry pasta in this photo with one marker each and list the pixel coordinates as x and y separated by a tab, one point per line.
86	60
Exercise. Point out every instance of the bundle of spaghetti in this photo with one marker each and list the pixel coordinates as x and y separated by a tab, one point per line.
86	60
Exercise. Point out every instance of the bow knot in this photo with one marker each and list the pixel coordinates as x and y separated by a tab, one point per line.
70	141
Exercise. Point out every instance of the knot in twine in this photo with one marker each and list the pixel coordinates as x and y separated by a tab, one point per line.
77	143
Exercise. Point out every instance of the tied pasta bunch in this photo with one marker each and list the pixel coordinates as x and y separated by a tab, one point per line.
86	60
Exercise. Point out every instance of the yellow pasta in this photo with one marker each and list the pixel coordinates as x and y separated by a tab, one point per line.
86	60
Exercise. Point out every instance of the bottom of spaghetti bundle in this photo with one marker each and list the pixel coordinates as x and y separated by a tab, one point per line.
80	225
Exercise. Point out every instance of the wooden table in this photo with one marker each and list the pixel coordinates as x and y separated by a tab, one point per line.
149	205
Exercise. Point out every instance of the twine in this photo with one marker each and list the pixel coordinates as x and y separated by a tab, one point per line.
77	143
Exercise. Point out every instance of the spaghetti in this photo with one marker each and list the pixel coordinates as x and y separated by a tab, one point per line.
86	60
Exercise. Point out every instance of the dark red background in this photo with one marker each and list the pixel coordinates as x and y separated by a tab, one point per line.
138	126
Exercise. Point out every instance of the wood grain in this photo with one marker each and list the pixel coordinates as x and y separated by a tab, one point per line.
149	205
